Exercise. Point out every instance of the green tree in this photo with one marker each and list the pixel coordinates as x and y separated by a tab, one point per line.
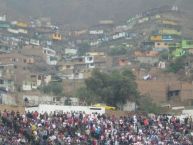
177	65
53	88
146	105
164	55
86	96
114	88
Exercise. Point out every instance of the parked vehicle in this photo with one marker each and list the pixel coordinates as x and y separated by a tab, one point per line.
105	106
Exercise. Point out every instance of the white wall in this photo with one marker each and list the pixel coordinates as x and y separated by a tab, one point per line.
3	18
71	51
51	62
34	42
26	87
34	85
51	108
122	28
22	31
91	65
13	31
188	112
129	106
119	35
95	32
94	43
49	52
47	79
31	109
7	99
36	100
39	82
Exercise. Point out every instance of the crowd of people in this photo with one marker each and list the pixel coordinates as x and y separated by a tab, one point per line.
79	128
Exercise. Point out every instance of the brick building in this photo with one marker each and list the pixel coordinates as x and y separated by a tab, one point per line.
174	92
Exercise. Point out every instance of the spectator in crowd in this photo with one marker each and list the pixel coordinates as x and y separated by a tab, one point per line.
79	128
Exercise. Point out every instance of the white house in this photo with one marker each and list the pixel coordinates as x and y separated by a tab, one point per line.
23	31
34	42
51	57
26	86
37	99
96	32
47	78
3	18
89	59
91	65
6	98
95	43
119	35
14	31
69	51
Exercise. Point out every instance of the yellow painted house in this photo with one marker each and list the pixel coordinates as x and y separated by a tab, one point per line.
156	38
56	36
169	22
22	24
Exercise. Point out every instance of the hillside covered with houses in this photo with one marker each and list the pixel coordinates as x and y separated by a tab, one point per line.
36	55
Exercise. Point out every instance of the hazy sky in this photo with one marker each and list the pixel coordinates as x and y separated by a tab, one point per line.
84	12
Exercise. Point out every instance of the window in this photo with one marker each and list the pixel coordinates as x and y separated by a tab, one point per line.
89	58
13	60
33	84
1	82
1	100
122	60
92	64
31	60
33	77
76	73
173	94
191	102
39	77
24	60
9	81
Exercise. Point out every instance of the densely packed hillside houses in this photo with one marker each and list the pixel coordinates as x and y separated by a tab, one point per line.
45	63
